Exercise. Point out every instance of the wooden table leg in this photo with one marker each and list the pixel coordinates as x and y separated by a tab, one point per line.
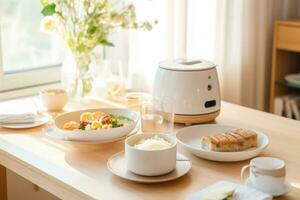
3	186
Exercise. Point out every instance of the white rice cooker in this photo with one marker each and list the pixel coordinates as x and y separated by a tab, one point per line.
193	88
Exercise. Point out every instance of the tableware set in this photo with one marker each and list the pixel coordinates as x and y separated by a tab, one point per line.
189	138
153	166
240	191
116	165
293	79
54	99
53	133
157	116
23	120
153	162
268	175
96	135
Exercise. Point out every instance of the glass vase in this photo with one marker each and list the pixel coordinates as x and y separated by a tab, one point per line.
76	74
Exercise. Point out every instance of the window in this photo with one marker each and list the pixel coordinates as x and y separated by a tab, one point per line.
25	52
182	31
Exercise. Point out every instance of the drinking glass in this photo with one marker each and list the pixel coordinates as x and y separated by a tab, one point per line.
110	78
115	79
157	116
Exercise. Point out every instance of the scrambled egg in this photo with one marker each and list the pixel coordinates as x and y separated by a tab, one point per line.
96	125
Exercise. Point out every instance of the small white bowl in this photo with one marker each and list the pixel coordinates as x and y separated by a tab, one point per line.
150	162
54	99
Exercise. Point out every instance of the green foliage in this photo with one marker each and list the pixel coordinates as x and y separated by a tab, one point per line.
91	29
120	117
81	127
49	9
106	43
116	120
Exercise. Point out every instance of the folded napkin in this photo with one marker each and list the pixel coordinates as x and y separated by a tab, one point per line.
241	192
17	118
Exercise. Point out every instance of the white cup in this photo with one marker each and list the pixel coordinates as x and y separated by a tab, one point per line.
266	174
150	162
54	99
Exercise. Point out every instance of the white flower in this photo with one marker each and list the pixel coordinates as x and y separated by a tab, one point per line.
48	24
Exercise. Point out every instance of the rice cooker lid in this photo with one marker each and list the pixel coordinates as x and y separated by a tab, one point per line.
186	65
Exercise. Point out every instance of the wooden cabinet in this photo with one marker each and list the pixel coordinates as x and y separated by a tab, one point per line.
285	58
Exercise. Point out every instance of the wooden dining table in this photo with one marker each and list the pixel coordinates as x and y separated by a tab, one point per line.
78	171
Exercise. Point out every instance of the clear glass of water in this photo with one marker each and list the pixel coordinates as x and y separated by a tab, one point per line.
157	116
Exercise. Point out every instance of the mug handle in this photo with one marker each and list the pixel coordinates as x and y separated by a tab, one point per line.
243	171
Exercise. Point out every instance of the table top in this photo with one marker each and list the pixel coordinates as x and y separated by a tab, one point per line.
76	171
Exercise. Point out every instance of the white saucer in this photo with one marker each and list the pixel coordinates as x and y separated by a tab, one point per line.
285	189
116	164
52	132
39	122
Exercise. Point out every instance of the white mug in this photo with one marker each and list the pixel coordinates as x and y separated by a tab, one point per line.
265	173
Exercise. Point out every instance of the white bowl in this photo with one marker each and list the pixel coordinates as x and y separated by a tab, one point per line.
150	162
96	135
190	138
54	99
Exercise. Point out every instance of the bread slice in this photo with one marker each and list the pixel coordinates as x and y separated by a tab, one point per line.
236	140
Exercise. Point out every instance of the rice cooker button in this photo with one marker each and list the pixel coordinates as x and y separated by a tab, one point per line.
209	87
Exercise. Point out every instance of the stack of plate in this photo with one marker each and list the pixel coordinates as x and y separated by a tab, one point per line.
293	79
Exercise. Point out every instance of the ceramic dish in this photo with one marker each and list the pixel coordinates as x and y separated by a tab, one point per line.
286	188
39	122
96	135
116	164
54	99
53	133
190	138
293	79
152	162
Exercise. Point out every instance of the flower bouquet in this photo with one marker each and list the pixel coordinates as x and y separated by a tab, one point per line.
83	25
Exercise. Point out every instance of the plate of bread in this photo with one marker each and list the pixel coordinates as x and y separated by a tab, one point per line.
222	143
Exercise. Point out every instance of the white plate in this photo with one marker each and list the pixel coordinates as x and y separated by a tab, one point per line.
40	121
293	79
116	164
241	192
96	135
286	188
190	138
53	133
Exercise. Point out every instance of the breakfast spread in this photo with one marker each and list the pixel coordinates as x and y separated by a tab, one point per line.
96	121
153	143
229	141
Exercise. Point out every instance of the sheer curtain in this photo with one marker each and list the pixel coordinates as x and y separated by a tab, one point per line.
235	34
165	41
244	46
171	37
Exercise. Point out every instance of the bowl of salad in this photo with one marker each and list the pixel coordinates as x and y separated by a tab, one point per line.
96	124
